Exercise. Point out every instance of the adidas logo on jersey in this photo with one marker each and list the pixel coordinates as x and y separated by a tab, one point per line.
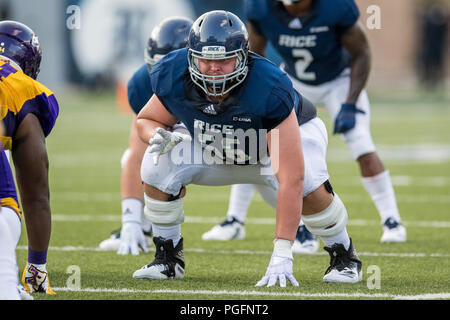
295	24
209	109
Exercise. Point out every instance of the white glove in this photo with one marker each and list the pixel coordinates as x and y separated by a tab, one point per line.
280	265
131	238
23	294
35	279
163	141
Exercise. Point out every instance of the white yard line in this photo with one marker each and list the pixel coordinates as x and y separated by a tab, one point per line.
256	252
442	295
224	197
399	153
263	221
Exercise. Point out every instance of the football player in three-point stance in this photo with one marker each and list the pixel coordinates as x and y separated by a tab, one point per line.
28	111
235	106
169	35
327	57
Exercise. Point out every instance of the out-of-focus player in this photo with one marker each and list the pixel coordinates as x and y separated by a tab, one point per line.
169	35
326	55
28	111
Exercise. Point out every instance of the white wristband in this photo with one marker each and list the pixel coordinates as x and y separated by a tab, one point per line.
131	210
282	248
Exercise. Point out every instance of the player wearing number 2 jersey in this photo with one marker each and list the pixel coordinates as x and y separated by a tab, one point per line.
326	55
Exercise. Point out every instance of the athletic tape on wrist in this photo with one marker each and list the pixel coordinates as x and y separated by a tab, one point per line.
282	248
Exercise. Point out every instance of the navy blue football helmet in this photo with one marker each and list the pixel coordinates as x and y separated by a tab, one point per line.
19	45
218	35
171	34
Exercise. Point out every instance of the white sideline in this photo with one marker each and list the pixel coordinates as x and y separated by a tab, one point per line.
260	252
425	296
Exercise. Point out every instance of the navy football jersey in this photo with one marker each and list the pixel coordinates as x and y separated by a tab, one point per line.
139	89
259	104
309	45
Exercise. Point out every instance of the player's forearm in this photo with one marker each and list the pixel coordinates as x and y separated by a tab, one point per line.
359	74
31	163
258	43
34	191
147	128
289	208
38	222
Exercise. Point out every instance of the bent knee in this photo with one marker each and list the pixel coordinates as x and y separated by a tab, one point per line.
328	222
164	212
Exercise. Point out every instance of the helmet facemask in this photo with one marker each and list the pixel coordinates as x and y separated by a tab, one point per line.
217	85
150	61
169	35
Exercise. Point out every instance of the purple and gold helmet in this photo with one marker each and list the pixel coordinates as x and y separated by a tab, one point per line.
20	45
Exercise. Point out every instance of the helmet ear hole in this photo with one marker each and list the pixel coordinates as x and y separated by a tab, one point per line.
231	22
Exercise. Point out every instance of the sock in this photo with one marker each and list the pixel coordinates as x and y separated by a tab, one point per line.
240	198
168	232
341	237
382	193
132	210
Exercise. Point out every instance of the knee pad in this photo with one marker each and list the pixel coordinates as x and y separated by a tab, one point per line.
164	212
328	222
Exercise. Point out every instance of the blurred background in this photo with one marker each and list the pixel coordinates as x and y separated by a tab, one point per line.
98	44
90	50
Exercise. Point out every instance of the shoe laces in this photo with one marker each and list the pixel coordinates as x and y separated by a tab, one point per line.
339	257
390	223
163	251
230	221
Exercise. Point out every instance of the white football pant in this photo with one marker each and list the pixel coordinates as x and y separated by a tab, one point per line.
9	236
170	176
332	95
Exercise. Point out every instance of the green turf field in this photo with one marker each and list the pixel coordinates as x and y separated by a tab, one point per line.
85	147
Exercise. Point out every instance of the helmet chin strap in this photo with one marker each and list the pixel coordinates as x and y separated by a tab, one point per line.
10	62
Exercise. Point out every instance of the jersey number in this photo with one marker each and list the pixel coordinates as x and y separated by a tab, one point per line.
228	148
304	60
